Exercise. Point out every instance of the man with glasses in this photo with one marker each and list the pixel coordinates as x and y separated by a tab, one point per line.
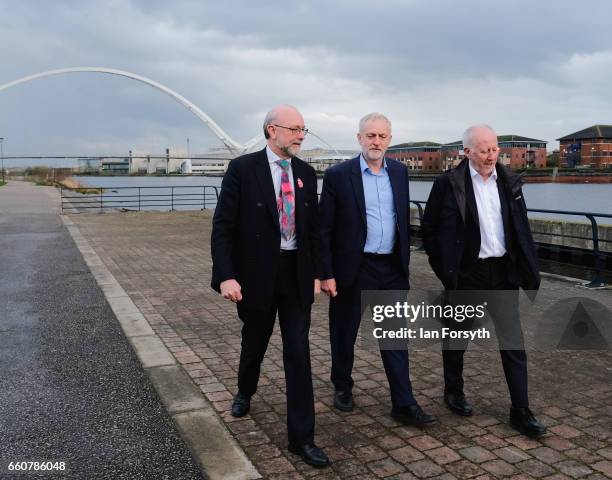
365	245
265	252
477	236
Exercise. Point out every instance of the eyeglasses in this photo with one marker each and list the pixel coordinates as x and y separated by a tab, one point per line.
294	130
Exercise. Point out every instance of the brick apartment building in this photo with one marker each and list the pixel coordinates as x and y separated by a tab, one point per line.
515	152
417	155
589	147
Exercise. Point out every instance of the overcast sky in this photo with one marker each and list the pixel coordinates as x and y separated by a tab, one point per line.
541	69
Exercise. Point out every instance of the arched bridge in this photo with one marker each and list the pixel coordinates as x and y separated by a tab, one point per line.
233	146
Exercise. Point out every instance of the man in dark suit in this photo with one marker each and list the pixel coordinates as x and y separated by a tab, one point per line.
477	236
365	245
265	245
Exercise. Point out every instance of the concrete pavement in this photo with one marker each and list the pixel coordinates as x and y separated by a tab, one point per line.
162	260
155	271
71	388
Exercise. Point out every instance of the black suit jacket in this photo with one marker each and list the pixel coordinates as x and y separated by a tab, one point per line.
343	219
245	241
451	231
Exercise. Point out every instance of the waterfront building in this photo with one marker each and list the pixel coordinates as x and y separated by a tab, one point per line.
591	147
115	166
88	165
522	152
322	158
423	155
515	152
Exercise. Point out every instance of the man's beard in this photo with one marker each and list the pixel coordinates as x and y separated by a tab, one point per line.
375	154
291	150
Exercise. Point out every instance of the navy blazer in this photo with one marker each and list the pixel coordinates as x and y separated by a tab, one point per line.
343	219
245	242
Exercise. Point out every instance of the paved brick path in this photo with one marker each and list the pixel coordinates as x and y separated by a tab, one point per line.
163	262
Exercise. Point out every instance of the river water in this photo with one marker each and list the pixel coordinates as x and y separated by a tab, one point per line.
596	198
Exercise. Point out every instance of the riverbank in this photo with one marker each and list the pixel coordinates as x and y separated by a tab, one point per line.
602	178
72	184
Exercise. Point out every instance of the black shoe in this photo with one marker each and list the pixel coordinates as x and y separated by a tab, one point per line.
458	404
241	405
311	454
523	420
343	400
412	415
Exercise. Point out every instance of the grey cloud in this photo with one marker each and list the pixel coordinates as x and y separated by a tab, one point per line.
534	68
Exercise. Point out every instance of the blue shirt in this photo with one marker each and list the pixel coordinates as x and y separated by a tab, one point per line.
380	209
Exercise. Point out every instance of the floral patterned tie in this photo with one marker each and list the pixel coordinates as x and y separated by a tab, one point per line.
286	202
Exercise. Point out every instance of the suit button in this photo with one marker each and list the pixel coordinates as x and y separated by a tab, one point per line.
259	204
450	271
459	242
305	204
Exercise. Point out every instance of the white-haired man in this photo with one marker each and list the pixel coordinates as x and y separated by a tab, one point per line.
365	245
477	236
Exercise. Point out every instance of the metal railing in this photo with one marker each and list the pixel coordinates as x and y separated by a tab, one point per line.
206	196
598	256
140	198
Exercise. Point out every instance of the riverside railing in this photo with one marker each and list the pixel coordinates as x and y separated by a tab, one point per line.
598	256
139	198
201	197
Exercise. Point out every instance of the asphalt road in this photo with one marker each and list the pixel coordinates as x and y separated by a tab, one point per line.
71	387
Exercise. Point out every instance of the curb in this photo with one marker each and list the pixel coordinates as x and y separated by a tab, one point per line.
578	282
210	442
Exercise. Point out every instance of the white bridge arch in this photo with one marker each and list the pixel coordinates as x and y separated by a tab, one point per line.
233	146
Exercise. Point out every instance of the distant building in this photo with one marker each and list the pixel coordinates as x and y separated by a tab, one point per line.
451	154
203	166
88	165
515	152
321	158
115	166
145	163
417	155
591	147
522	152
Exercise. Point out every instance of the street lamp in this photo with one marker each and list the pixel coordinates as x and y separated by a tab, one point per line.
2	157
592	156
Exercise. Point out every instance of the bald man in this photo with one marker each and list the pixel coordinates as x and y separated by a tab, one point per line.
265	244
477	236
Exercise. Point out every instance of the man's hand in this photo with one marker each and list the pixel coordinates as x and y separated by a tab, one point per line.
317	286
231	290
329	287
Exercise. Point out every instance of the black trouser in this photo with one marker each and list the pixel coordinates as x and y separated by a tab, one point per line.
376	273
490	275
294	321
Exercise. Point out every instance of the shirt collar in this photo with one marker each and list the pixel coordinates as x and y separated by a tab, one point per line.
473	172
273	157
364	166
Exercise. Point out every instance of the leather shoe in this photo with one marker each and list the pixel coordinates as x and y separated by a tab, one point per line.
343	400
457	403
523	420
241	405
412	415
311	454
